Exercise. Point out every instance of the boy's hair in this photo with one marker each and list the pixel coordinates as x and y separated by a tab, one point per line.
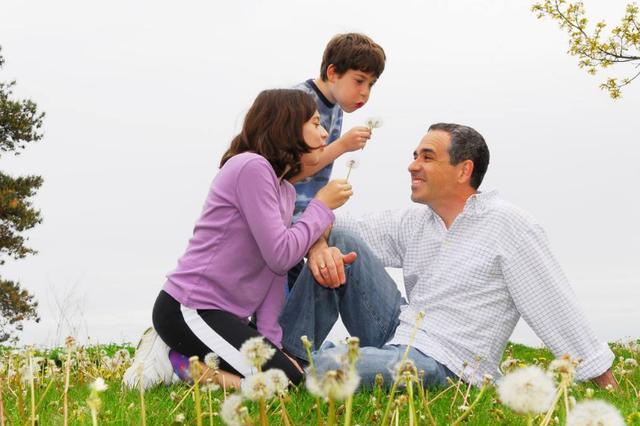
273	128
353	51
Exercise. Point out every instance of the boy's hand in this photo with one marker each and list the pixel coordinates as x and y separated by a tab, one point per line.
355	138
335	193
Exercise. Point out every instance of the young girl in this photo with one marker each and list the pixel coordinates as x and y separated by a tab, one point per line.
243	244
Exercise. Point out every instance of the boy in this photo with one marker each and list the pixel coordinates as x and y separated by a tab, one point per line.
351	65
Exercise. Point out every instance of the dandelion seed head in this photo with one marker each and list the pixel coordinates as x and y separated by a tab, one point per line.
99	385
334	384
508	365
405	367
527	390
278	379
305	341
631	363
257	351
374	123
70	342
211	360
594	413
180	418
257	386
563	365
231	410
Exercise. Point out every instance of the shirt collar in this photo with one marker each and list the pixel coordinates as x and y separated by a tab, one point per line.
479	202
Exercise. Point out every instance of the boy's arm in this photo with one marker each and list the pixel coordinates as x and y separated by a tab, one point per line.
352	140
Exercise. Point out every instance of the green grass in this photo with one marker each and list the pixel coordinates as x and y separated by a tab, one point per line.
123	407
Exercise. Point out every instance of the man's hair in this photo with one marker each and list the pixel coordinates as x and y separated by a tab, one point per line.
466	144
353	51
273	129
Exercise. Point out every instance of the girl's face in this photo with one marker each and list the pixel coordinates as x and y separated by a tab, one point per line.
315	137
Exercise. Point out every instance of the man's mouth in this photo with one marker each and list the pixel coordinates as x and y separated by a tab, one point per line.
416	181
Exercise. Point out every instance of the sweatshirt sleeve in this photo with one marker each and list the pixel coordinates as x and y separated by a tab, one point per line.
257	194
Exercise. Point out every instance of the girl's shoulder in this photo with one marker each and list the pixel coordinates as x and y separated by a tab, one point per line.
248	162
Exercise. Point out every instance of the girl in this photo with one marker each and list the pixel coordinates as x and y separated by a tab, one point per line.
243	244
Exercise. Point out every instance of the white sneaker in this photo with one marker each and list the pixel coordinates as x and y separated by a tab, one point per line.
153	354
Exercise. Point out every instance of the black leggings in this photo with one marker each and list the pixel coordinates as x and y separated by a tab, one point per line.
198	332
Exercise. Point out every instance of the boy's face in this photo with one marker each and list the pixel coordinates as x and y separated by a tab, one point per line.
351	89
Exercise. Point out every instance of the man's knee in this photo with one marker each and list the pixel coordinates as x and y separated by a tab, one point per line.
346	241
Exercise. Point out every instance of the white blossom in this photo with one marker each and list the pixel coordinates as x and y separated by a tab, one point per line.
257	386
527	390
230	411
630	362
257	351
279	380
334	384
594	413
374	123
211	360
99	385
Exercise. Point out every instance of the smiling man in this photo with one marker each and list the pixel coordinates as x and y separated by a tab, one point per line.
471	261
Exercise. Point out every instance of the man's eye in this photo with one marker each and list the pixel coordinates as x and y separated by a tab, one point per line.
359	81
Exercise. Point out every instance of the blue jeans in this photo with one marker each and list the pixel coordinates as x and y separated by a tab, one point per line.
383	360
369	305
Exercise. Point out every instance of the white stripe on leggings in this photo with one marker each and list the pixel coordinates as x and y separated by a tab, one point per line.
215	342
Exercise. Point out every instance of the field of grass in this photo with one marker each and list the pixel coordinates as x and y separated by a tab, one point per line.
39	398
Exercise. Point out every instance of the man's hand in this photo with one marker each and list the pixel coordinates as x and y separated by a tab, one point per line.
327	265
606	379
355	138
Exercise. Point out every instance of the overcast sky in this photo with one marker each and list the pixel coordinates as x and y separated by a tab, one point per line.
142	98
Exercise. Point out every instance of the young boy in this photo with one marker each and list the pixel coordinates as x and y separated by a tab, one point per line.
351	65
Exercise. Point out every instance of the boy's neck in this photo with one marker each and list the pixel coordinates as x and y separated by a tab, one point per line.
325	88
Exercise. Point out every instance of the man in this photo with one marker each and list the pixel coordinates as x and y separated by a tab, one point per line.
472	262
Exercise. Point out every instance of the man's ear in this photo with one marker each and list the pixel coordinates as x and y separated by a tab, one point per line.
465	171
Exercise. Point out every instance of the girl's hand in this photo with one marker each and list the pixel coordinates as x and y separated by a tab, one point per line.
335	193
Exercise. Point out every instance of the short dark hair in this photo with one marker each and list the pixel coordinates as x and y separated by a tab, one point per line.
353	51
273	128
466	144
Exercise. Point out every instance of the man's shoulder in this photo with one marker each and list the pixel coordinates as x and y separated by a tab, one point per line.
507	213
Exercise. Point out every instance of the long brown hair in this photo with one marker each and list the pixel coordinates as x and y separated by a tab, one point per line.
273	128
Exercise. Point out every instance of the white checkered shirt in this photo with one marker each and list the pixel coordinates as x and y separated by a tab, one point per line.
474	281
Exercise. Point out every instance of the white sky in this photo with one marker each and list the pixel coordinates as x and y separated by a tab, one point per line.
142	99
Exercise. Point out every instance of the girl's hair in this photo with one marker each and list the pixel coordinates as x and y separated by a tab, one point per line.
273	128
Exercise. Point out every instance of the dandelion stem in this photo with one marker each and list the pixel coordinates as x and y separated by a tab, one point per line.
210	409
332	412
349	409
263	412
547	418
32	389
43	394
473	405
412	407
143	411
283	412
1	403
65	402
392	393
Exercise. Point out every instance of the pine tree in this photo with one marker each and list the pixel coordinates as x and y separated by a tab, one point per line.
20	123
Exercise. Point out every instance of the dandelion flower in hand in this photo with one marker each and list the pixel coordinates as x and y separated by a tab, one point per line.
211	360
257	351
352	163
527	390
594	413
374	123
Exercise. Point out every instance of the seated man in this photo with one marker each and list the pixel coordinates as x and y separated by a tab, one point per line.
472	262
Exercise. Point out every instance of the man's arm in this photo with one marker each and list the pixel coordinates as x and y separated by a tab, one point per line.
352	140
544	298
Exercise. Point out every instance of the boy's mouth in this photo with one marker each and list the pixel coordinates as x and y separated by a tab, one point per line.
359	104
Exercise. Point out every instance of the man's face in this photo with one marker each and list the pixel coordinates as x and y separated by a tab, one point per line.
351	89
433	179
